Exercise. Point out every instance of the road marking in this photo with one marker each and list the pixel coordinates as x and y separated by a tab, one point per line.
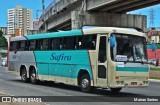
6	93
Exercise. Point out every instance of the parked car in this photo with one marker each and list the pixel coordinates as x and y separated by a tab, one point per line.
4	62
153	62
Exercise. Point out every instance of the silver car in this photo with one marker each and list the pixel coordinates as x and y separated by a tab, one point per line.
4	62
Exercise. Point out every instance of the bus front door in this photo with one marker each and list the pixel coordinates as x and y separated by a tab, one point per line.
102	62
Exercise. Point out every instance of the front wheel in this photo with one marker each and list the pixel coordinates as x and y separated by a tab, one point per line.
85	83
115	90
33	76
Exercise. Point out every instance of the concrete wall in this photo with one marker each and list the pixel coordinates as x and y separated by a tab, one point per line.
93	4
107	19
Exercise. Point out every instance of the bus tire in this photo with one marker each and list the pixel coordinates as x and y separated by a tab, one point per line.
115	90
24	75
85	83
33	76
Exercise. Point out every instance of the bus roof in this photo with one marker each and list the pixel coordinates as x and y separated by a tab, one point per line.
55	34
94	30
112	30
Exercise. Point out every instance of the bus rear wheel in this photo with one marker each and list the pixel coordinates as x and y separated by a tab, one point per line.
115	90
24	75
85	83
33	76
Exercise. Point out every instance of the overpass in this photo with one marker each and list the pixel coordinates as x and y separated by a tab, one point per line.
73	14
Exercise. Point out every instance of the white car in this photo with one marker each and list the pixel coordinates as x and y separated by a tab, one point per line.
4	62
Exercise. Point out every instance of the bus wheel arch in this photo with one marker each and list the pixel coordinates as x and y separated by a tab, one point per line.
23	73
32	75
84	80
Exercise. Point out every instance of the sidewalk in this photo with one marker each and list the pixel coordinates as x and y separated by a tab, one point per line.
154	80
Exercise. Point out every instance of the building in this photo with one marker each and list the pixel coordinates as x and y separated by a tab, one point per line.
154	35
19	20
35	24
4	30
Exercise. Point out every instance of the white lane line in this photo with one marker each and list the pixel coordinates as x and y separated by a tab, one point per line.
6	93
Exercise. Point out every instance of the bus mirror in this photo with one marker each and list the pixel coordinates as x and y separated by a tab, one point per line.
112	41
15	51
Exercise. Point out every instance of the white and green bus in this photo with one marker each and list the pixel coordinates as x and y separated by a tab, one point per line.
105	57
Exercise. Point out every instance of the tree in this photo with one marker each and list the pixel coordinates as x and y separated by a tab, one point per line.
1	33
3	41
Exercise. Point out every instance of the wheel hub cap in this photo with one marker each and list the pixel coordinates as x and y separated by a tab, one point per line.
85	83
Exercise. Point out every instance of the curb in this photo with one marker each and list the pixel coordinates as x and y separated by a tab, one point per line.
154	80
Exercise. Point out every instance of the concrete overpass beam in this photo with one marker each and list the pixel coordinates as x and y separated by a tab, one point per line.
80	19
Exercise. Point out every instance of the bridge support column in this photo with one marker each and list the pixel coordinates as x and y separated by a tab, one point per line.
79	19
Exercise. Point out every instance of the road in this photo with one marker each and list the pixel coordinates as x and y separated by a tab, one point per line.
12	85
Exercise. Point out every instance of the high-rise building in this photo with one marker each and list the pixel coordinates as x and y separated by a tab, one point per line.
4	30
19	19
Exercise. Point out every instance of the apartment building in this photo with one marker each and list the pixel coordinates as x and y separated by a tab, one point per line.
19	19
4	30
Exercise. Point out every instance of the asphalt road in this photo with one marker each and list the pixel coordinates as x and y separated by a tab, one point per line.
12	85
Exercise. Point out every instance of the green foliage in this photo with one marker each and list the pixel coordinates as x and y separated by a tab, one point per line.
4	55
1	33
3	41
155	68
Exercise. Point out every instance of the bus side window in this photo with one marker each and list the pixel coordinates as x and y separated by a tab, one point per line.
69	43
64	45
79	42
87	42
55	43
22	45
32	45
18	45
45	44
60	43
11	46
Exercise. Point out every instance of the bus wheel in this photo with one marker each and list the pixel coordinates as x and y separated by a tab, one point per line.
115	90
33	78
85	83
24	75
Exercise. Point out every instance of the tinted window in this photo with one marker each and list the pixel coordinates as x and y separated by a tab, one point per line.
45	44
23	45
32	45
69	43
55	43
11	46
14	46
39	44
87	42
102	50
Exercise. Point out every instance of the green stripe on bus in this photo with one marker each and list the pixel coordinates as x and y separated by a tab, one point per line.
132	69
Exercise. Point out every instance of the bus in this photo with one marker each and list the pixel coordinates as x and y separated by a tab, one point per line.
102	57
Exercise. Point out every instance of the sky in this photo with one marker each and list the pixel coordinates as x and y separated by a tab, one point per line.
146	11
37	5
30	4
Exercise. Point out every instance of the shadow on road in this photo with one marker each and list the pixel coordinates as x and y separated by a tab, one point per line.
96	91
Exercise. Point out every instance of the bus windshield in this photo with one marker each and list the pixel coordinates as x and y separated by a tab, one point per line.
129	48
